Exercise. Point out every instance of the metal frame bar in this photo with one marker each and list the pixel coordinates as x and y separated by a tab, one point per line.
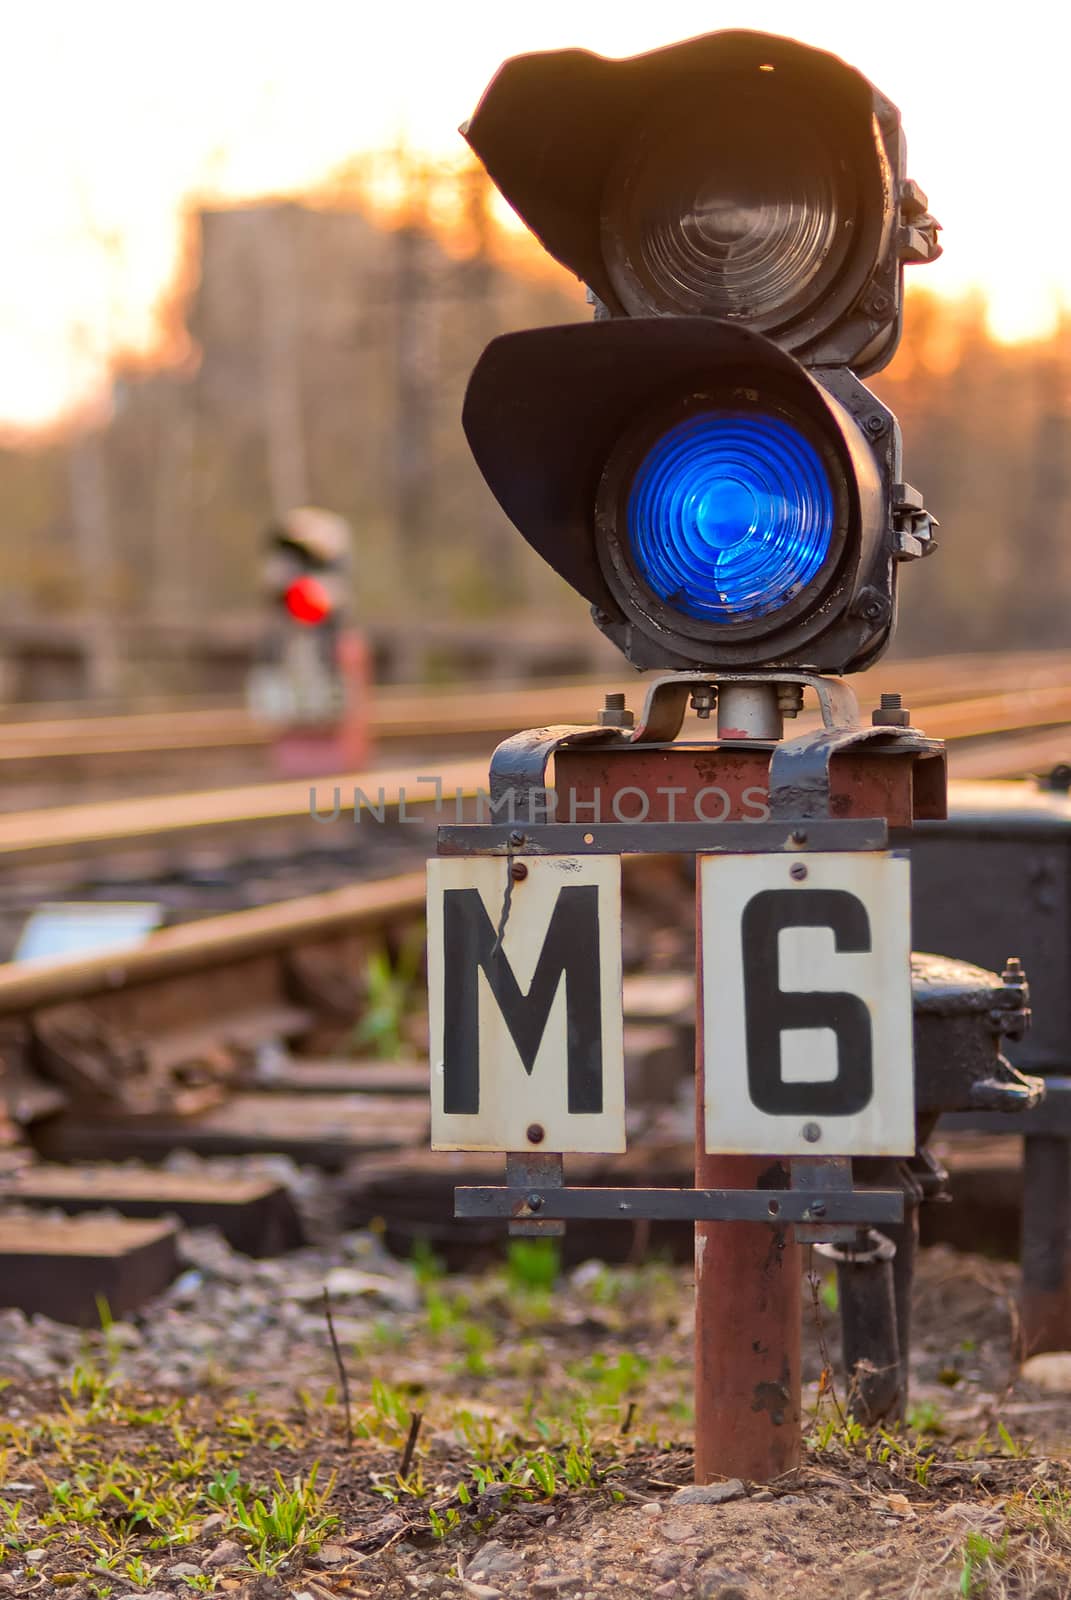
661	838
776	1206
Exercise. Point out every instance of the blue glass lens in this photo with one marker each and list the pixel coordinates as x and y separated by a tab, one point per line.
730	515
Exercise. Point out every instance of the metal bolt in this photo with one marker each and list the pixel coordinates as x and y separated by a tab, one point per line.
869	603
1013	971
516	839
875	423
615	713
518	870
535	1133
704	699
799	836
534	1202
790	699
891	713
817	1208
798	871
811	1132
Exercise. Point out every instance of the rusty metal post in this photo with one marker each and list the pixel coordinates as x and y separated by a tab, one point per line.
748	1280
747	1275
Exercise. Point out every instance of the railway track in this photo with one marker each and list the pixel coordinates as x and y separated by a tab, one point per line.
232	1034
995	734
43	757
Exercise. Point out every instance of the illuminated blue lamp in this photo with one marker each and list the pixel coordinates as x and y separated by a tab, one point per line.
730	515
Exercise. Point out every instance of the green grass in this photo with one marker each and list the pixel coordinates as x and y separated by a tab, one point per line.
276	1526
979	1557
391	997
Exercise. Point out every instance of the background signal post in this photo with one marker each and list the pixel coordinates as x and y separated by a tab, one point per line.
704	463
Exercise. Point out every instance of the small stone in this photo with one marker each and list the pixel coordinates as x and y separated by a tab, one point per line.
793	1500
677	1532
1050	1371
668	1591
714	1583
224	1555
32	1557
347	1283
123	1336
764	1496
33	1361
186	1287
651	1508
480	1591
184	1569
332	1554
554	1582
667	1565
708	1494
492	1559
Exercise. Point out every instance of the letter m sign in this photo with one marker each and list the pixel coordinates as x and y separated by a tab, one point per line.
525	1004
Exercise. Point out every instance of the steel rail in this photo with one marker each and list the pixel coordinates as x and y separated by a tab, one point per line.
1041	696
211	942
1015	754
99	825
95	827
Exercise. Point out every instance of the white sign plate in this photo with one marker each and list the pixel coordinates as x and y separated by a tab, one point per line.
807	1019
528	1033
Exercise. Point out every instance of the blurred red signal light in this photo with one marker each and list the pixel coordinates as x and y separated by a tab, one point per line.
308	600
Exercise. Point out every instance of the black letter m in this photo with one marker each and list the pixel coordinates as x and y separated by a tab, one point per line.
570	949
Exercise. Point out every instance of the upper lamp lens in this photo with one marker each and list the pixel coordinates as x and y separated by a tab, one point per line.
731	204
730	514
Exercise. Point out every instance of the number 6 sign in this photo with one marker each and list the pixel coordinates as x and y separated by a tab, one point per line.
807	1004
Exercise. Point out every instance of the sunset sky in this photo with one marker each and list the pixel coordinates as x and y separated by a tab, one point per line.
118	114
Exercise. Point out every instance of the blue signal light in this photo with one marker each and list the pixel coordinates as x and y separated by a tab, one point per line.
730	515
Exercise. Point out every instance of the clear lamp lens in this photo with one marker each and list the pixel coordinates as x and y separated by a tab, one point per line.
730	515
733	207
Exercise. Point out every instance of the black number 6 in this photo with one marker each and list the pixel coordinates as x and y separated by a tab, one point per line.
770	1010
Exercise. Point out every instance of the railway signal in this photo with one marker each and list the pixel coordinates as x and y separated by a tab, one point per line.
306	568
705	465
313	681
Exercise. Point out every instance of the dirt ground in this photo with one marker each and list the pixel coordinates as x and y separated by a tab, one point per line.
552	1443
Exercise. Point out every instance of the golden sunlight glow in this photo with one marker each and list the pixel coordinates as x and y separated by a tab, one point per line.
117	117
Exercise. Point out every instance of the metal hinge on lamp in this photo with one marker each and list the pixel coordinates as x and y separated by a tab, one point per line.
918	229
912	524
